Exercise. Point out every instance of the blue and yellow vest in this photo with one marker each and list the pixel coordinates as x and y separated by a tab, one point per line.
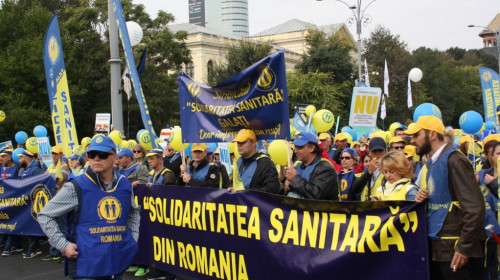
366	192
399	194
304	173
242	177
8	172
439	202
159	179
101	251
490	205
29	169
201	174
345	181
129	169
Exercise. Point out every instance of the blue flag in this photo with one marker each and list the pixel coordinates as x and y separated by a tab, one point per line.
129	58
141	67
255	98
490	83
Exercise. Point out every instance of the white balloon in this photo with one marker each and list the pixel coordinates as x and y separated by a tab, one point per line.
134	32
415	75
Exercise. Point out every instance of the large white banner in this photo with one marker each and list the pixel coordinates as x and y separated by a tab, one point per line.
364	106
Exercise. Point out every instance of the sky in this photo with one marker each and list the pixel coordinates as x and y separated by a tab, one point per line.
436	24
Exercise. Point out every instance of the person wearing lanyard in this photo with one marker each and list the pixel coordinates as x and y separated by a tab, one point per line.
455	205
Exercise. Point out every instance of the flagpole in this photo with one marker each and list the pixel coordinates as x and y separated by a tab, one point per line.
114	64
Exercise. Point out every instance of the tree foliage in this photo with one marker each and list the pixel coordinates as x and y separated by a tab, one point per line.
237	58
83	26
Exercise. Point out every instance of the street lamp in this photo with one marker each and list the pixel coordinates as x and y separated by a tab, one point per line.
359	17
497	39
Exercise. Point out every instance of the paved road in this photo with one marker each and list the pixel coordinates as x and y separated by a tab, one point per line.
17	268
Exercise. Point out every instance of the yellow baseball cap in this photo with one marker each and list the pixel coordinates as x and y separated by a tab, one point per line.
409	150
491	137
199	147
431	123
354	143
244	135
464	139
56	150
396	139
155	152
340	136
324	136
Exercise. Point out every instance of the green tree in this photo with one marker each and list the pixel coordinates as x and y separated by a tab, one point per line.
238	57
83	26
315	88
383	46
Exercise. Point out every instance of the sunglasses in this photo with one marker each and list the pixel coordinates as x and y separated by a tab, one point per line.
137	152
398	147
101	155
346	158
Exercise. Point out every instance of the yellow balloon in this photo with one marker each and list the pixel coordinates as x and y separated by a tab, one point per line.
131	143
2	116
124	144
323	120
116	136
86	141
310	110
458	132
278	153
380	134
145	140
32	145
176	139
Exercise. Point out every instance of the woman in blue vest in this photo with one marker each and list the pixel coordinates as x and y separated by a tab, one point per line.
201	173
348	159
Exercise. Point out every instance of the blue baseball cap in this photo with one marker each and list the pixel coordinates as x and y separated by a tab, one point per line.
102	143
303	138
377	143
155	152
126	152
351	151
6	151
77	156
26	153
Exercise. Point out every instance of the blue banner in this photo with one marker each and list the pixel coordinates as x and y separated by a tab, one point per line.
21	199
490	83
255	98
204	233
130	60
57	86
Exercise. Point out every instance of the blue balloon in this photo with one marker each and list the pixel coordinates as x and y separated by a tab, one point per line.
138	135
426	109
40	131
471	121
15	153
346	129
354	135
21	137
490	125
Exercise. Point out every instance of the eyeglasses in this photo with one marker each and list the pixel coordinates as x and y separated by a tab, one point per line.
346	158
101	155
398	147
137	152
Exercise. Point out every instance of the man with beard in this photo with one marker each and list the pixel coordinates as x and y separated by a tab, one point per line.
455	206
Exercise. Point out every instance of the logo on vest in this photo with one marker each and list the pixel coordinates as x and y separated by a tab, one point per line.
39	197
109	208
430	186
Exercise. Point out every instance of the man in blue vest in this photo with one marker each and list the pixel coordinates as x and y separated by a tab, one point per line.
200	172
312	177
9	169
30	167
172	160
455	205
136	173
96	201
253	170
159	175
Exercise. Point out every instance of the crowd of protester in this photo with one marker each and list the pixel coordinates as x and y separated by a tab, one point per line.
424	163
